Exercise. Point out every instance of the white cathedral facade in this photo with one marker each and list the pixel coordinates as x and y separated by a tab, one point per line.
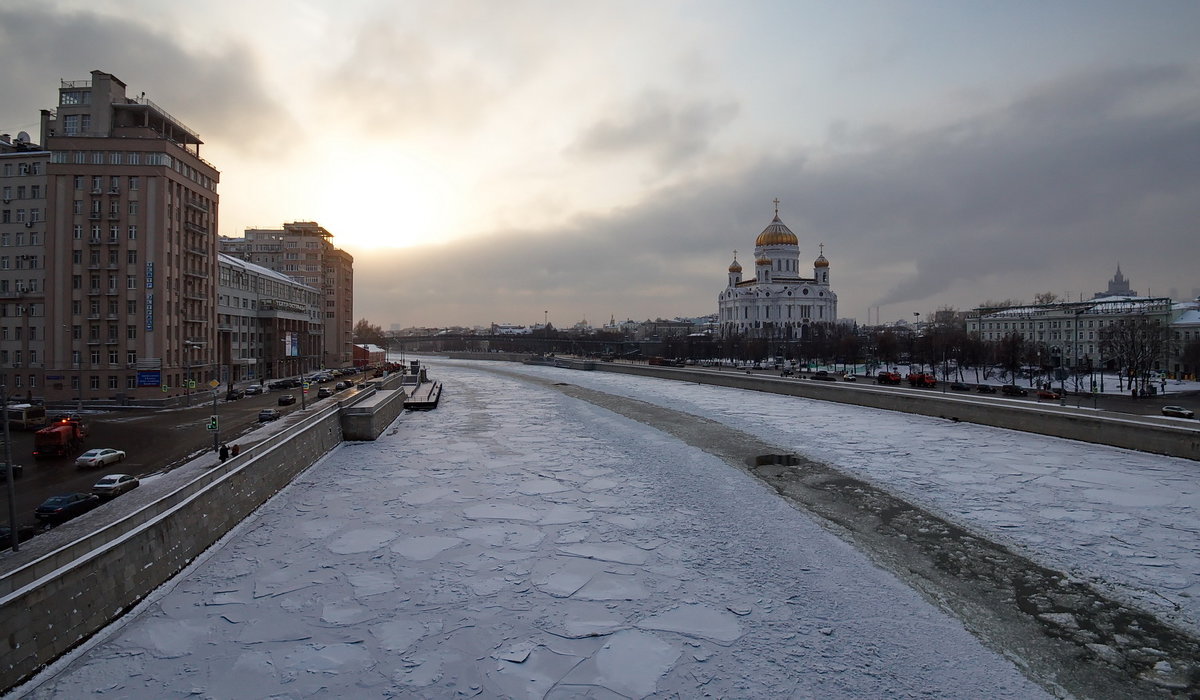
778	301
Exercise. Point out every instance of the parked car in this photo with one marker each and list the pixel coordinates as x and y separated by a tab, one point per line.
849	377
986	389
254	390
959	386
1013	390
1048	395
99	457
17	470
823	376
115	485
287	400
58	509
324	393
1178	412
787	372
268	414
235	394
24	532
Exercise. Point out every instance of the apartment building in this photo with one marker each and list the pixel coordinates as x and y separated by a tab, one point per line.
304	251
22	265
267	322
129	246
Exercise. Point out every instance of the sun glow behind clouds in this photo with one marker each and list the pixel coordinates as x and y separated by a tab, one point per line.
385	199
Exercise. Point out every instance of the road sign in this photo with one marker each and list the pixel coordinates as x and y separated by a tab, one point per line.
212	424
213	383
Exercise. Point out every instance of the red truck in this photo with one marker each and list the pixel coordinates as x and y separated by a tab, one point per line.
888	378
923	380
60	438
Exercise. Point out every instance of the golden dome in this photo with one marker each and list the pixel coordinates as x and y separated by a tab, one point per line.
735	266
776	233
821	262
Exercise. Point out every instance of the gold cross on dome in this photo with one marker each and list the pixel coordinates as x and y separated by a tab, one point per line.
776	206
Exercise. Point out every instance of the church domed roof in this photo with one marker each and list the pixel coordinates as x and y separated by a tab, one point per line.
821	262
763	261
735	266
776	233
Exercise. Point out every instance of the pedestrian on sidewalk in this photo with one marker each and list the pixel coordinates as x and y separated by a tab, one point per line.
233	451
224	452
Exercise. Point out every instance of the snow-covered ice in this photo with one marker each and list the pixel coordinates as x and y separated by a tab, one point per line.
521	543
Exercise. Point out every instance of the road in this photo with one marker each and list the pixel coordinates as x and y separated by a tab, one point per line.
154	440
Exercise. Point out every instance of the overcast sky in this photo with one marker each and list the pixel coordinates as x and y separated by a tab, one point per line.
491	161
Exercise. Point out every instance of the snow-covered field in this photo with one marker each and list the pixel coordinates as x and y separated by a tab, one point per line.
520	543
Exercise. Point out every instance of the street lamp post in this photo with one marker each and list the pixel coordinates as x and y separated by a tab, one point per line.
13	535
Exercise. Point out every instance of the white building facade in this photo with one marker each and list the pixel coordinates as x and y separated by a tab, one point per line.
780	300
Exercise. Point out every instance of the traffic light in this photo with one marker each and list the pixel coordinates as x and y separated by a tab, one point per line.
212	423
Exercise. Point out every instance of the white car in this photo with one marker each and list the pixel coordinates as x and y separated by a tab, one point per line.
100	457
115	485
1178	412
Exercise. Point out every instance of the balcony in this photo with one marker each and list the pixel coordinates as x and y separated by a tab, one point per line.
114	215
94	216
95	240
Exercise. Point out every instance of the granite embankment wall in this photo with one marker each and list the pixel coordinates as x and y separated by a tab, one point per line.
60	598
1144	433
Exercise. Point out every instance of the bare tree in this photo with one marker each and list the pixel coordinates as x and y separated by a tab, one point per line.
1045	298
1134	346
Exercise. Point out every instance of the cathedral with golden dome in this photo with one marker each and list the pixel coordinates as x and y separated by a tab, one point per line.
778	301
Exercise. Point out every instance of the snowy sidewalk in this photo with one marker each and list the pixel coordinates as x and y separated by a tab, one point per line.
518	543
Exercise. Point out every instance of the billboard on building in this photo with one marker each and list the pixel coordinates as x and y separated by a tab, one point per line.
291	344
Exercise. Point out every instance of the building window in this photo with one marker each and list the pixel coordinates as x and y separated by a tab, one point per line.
94	381
134	181
133	232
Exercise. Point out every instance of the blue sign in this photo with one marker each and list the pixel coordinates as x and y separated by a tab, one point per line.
149	311
151	377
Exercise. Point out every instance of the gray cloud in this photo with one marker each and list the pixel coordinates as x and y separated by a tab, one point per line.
219	92
672	129
1047	194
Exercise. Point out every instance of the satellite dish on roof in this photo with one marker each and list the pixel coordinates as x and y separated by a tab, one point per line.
23	136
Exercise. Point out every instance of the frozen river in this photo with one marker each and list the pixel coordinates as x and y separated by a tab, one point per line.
517	542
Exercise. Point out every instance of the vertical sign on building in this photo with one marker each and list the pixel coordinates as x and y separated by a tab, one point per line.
149	295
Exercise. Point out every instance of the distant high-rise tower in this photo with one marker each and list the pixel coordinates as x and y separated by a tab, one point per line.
1118	286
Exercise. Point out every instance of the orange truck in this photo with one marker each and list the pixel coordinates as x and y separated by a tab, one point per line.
888	378
923	380
60	438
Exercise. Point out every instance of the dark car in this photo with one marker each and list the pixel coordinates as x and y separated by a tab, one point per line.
1174	411
341	385
267	415
324	393
58	509
235	394
24	532
17	470
959	386
824	376
1013	390
1048	395
986	389
287	400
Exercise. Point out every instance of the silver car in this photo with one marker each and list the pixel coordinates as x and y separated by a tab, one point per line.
100	457
115	485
